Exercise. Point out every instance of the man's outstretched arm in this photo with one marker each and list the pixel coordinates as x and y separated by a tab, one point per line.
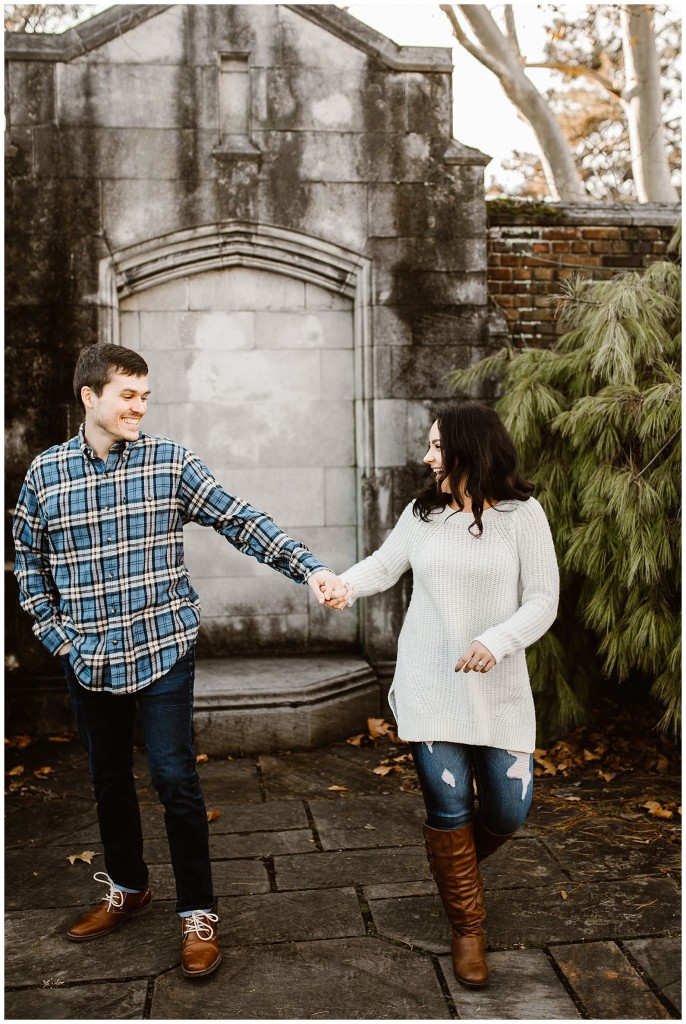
251	531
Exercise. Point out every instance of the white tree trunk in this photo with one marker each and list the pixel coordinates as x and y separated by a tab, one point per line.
500	53
642	100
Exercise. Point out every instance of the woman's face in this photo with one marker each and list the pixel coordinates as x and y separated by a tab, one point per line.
434	456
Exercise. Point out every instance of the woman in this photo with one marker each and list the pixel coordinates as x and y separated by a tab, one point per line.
485	587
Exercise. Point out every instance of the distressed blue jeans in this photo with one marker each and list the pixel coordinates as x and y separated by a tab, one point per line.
105	722
504	782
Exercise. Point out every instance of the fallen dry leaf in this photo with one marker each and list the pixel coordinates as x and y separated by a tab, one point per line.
386	769
378	727
356	741
338	789
564	895
41	773
589	756
657	810
86	856
200	758
17	770
608	776
59	739
213	815
662	764
20	741
575	799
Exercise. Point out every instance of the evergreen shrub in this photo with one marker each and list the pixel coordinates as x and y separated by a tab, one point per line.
596	423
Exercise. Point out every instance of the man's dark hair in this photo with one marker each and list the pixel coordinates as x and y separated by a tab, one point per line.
97	364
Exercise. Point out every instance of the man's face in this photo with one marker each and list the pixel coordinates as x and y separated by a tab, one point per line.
118	411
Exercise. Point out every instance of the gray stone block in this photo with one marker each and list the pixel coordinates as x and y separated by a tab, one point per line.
538	917
291	917
522	986
299	775
121	1000
522	864
147	96
429	104
339	979
38	952
396	889
355	867
125	152
229	878
420	372
660	958
369	821
606	983
281	704
31	93
156	40
613	849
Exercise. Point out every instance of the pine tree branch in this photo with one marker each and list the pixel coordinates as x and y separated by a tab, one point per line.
578	71
667	442
471	47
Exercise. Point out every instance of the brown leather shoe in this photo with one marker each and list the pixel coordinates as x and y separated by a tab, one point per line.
113	910
452	859
200	953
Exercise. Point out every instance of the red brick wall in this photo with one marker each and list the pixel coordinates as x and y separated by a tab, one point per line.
532	248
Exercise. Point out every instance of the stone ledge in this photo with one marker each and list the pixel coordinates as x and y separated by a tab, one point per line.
265	704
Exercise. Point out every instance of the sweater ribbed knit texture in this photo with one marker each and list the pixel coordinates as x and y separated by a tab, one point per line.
501	589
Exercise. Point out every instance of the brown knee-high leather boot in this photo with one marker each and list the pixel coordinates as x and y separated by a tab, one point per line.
452	859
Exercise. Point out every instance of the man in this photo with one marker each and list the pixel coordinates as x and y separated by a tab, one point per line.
100	563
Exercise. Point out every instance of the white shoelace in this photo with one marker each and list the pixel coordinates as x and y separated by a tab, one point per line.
202	928
115	897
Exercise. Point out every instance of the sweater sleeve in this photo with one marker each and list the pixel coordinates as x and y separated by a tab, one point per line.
540	582
386	565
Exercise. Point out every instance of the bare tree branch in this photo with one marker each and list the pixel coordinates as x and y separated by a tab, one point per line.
511	28
464	40
578	71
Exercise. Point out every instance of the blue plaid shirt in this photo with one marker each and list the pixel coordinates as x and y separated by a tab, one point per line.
100	558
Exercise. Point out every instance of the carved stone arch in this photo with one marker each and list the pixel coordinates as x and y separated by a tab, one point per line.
259	246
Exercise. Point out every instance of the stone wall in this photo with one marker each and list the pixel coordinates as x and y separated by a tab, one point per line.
267	201
532	248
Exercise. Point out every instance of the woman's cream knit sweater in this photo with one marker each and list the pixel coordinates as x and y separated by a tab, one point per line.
500	588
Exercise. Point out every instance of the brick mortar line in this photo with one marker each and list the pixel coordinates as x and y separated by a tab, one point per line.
646	978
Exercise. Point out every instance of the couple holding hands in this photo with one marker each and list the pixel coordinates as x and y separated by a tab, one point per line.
98	535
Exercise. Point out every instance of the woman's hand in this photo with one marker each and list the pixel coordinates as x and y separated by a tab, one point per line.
478	658
338	599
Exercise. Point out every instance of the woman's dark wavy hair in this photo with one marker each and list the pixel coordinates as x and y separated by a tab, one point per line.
478	457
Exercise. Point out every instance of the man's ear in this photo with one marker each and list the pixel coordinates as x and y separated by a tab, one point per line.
87	396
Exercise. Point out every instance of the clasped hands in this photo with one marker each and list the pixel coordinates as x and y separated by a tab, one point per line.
329	589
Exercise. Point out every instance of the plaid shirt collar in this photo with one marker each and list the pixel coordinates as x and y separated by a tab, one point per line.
118	446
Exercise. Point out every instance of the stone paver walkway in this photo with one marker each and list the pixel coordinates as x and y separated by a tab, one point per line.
327	908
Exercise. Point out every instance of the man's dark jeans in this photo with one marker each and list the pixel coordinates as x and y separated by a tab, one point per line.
105	723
